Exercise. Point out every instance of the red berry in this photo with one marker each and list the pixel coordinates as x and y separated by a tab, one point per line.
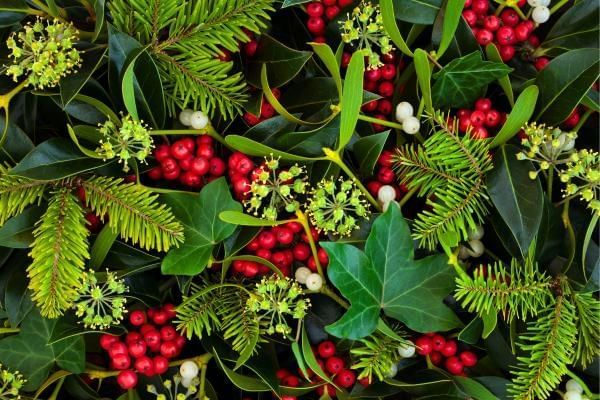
162	152
373	187
117	348
477	118
244	166
534	41
137	348
168	332
168	349
370	106
186	163
216	166
312	264
505	36
251	119
266	110
127	379
484	37
241	185
267	239
506	52
470	17
147	327
480	6
291	381
385	106
296	227
386	89
435	357
326	349
155	173
386	175
463	113
468	358
438	342
170	169
264	253
373	74
315	25
491	23
282	373
386	159
160	317
424	345
479	132
454	365
572	120
483	104
346	59
323	257
541	63
250	48
492	118
315	9
189	143
522	32
388	71
332	12
464	124
365	381
301	251
144	365
121	361
107	340
378	127
205	151
284	235
449	348
161	364
250	269
152	339
345	378
199	166
224	55
334	364
180	341
191	179
510	17
180	150
327	388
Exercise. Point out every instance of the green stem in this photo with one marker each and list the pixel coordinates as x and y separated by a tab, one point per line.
209	130
586	389
408	195
325	290
56	390
549	183
518	11
378	121
571	233
202	390
583	119
311	242
335	158
558	6
4	331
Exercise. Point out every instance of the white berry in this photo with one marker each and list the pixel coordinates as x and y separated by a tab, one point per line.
184	116
186	383
540	14
572	396
411	125
301	274
406	350
314	282
475	248
477	233
404	110
386	194
569	144
198	120
573	386
544	3
188	370
463	252
534	3
392	371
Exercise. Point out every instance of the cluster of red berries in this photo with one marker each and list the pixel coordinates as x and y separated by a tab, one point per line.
572	120
251	46
150	347
505	31
481	120
192	162
331	363
281	245
320	13
381	81
444	351
240	170
384	175
266	110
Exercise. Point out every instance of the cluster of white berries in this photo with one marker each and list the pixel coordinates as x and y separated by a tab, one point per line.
541	12
574	391
406	350
305	276
194	119
475	248
404	115
386	195
188	371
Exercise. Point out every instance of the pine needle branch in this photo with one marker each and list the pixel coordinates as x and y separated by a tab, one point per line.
452	168
134	212
375	355
588	341
16	193
241	327
197	314
520	291
59	251
549	344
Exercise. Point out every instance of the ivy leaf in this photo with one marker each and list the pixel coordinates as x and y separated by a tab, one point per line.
386	276
462	80
202	226
31	353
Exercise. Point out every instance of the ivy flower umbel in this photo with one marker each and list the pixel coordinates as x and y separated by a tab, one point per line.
126	139
546	147
336	206
365	26
276	298
101	305
175	390
582	178
10	384
43	51
274	189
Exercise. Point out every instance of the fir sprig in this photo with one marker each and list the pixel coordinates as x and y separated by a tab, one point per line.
59	251
451	168
17	193
588	321
375	355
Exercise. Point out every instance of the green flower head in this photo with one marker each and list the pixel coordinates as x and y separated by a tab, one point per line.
10	384
582	177
336	206
101	305
125	139
43	52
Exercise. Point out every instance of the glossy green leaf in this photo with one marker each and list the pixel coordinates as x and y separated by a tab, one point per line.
254	148
101	246
326	55
310	143
99	9
391	27
311	360
289	3
493	54
517	198
17	232
520	114
490	320
423	69
12	11
351	97
386	277
239	218
202	227
473	388
247	383
592	100
577	28
55	158
367	150
17	143
564	82
30	353
452	15
472	332
463	80
282	62
71	85
417	11
120	46
17	297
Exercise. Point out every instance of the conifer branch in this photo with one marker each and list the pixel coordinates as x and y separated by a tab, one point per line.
588	341
134	212
375	355
549	344
59	251
241	327
197	314
16	193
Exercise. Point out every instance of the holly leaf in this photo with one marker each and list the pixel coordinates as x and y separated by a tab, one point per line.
32	354
464	79
202	226
387	277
